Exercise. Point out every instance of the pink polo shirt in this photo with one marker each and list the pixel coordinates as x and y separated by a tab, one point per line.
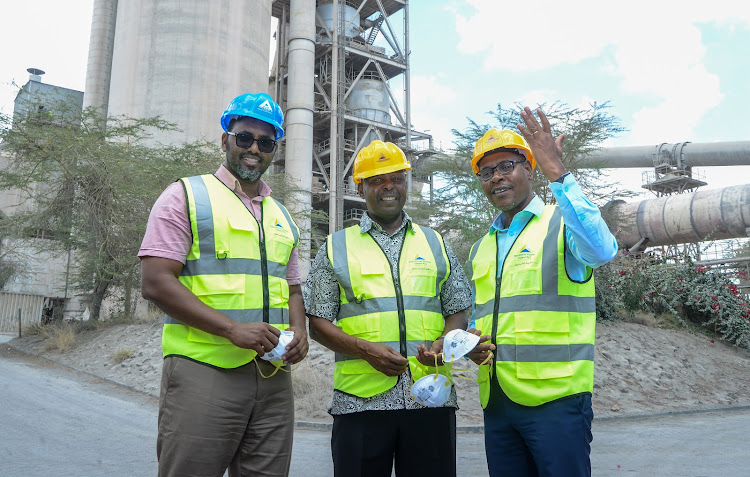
168	232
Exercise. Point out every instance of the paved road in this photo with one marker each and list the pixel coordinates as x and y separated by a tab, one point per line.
57	422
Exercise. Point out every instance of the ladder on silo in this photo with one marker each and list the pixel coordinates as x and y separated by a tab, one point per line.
375	29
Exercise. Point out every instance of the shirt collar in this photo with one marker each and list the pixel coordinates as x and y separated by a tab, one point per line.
535	207
223	174
366	223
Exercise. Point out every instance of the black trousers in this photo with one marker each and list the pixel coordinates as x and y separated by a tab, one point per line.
418	442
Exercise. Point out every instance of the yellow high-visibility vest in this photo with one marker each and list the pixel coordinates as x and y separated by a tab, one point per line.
375	309
232	270
542	322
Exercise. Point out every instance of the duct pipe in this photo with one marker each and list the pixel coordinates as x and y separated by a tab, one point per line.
736	153
299	113
714	214
101	46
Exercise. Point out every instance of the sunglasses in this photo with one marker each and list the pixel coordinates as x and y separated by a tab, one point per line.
246	140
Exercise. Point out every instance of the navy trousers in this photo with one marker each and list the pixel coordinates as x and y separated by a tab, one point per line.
553	439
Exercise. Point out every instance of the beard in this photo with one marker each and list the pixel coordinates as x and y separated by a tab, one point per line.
247	174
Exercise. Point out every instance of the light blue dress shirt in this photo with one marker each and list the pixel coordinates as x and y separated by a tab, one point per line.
588	239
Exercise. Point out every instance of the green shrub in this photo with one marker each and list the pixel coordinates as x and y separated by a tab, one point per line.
691	293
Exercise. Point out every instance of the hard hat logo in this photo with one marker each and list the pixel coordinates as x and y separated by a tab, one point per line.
265	106
259	106
379	158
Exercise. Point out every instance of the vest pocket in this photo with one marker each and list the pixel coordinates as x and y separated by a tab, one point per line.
200	336
522	282
543	370
206	286
357	366
279	244
542	345
483	283
241	233
420	282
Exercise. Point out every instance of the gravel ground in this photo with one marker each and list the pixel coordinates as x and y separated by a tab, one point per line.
641	369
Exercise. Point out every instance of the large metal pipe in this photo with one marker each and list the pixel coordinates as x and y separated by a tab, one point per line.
101	45
736	153
299	111
713	214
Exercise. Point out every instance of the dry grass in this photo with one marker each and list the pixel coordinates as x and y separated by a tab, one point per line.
33	329
312	381
59	336
122	354
153	316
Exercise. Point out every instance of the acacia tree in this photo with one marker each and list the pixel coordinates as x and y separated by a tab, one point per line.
91	188
459	208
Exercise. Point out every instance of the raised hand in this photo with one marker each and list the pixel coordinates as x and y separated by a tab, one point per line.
547	150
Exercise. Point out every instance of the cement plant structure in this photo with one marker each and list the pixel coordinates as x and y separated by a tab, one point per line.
342	76
335	70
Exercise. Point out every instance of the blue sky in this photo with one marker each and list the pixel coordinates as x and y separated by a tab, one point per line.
672	70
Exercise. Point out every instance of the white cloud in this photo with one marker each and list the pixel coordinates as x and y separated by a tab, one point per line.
431	104
651	48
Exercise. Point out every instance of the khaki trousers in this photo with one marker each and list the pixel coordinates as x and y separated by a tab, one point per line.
213	419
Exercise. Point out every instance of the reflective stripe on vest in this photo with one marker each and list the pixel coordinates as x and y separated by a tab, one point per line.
544	326
225	269
369	301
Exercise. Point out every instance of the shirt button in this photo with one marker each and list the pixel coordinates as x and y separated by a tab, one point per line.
512	234
582	217
566	189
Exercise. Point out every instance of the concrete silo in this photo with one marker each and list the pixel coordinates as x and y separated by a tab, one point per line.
183	60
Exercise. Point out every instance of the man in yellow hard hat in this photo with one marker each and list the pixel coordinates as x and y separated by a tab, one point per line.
534	306
382	294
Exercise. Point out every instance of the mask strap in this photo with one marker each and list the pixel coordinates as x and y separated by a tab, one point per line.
486	360
278	367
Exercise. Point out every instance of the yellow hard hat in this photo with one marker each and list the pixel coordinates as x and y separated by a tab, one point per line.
497	139
379	158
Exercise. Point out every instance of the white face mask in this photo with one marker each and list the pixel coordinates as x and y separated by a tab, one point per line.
432	390
458	343
275	354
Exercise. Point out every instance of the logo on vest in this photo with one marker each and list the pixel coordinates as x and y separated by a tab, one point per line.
524	256
420	263
277	224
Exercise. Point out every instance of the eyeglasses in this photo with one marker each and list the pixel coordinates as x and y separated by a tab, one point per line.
246	140
502	168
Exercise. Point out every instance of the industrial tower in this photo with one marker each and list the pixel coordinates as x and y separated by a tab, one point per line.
673	175
360	55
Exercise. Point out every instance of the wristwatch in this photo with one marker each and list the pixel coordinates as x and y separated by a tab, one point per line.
562	177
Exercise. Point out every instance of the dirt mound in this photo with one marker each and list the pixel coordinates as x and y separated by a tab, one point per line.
640	369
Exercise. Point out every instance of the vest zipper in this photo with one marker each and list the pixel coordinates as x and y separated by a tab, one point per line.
263	266
263	257
496	305
498	283
399	299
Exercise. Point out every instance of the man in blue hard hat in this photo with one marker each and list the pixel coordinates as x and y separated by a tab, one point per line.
220	258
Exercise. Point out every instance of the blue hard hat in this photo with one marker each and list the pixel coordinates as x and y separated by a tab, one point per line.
258	106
